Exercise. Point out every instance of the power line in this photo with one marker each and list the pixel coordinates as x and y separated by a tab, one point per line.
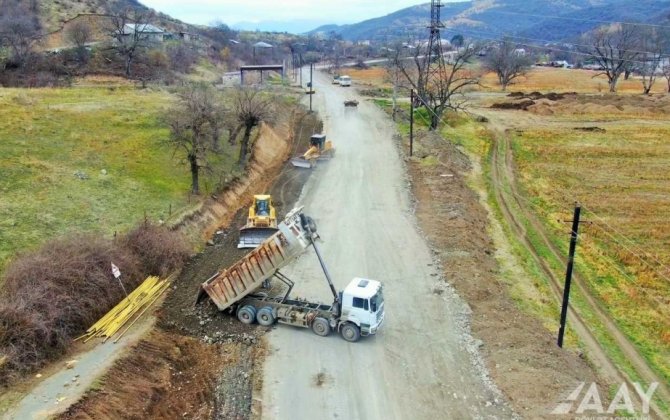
552	42
651	25
639	250
546	48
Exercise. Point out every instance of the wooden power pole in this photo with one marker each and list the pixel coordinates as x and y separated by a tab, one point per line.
568	273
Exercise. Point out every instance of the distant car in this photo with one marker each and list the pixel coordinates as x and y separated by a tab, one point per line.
336	80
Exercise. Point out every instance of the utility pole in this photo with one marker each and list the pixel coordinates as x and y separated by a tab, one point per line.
311	84
434	66
411	122
568	272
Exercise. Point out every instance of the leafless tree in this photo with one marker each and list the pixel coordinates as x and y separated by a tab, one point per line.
128	28
251	108
19	31
195	125
393	74
445	89
80	33
654	48
614	48
182	57
665	70
507	62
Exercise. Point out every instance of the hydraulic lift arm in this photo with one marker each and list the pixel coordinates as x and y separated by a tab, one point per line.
310	227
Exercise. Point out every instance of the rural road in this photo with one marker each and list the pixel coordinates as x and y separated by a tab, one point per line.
422	364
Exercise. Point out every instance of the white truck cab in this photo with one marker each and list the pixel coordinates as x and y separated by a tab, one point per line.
345	81
363	305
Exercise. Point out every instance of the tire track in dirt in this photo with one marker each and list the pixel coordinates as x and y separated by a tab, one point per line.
502	173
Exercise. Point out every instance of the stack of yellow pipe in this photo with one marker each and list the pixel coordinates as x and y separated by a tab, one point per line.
128	310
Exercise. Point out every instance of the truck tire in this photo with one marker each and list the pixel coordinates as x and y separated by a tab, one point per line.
320	326
266	316
246	314
350	332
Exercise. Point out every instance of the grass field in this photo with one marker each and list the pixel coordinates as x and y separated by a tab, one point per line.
542	79
88	159
621	177
546	79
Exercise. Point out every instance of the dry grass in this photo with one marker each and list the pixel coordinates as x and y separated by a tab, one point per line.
621	176
545	79
541	79
374	75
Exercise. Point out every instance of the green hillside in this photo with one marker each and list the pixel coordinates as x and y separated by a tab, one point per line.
89	160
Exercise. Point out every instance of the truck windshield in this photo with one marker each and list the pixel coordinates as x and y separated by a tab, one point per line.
376	301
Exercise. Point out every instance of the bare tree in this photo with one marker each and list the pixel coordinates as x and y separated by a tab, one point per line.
665	69
19	32
654	47
444	90
507	62
614	49
80	33
393	74
182	57
251	108
128	28
195	126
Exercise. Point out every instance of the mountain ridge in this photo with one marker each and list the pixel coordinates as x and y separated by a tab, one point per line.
550	20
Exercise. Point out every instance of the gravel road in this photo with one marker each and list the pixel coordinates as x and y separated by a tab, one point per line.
423	364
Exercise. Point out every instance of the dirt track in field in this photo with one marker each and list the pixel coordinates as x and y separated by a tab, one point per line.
507	195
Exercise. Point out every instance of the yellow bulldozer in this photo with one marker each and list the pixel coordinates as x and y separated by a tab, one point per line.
261	222
319	149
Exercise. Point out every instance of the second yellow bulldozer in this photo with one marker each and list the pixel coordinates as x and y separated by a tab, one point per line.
261	222
319	149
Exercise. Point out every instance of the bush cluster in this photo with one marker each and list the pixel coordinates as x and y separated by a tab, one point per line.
52	295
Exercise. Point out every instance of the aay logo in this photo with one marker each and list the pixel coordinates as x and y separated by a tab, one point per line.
591	403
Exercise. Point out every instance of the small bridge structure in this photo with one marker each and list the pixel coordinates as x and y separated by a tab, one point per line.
261	68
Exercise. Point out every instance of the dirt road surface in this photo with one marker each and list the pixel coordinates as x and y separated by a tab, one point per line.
57	392
423	364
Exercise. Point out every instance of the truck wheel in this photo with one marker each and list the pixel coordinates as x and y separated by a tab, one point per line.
265	316
320	326
246	314
350	332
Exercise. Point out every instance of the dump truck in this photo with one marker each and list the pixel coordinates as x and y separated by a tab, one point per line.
261	222
356	311
319	149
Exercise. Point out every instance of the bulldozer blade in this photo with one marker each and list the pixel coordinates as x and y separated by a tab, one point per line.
301	163
254	236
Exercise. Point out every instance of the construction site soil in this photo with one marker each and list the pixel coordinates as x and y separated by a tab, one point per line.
571	103
199	362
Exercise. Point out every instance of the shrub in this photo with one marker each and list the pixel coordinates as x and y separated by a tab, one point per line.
52	295
159	249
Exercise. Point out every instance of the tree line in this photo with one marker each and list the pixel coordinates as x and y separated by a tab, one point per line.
200	118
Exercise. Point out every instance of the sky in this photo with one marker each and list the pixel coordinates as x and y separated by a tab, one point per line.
319	12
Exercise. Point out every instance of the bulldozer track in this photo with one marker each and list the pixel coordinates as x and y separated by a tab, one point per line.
502	174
